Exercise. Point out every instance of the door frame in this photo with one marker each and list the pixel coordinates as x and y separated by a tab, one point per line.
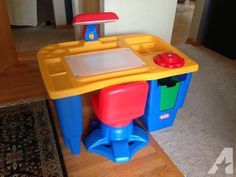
8	54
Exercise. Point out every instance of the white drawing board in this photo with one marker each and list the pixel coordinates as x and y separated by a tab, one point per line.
103	62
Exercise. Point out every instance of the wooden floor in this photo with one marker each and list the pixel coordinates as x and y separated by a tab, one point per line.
23	81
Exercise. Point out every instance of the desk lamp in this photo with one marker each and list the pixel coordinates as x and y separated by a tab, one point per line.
90	21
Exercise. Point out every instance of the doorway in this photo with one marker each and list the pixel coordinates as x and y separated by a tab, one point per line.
183	19
33	26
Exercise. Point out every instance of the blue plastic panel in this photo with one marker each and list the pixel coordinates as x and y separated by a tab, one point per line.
69	113
154	119
116	144
91	33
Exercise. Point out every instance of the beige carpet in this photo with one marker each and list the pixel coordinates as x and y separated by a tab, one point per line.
207	123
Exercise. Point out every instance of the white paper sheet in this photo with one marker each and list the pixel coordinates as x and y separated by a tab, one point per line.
103	62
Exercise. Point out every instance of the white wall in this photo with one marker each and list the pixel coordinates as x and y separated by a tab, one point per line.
22	13
141	16
60	12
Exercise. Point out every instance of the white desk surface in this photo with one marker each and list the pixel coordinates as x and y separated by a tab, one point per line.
103	62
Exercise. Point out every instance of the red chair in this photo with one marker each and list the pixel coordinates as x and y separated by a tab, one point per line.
116	107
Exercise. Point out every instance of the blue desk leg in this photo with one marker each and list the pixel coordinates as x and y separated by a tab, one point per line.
69	113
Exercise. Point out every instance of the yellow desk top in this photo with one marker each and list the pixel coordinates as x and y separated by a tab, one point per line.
61	83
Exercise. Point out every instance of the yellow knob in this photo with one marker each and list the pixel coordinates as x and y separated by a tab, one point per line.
91	36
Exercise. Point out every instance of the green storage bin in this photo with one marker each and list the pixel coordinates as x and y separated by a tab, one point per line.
169	88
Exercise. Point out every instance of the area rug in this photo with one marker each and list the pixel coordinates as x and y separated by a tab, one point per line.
28	141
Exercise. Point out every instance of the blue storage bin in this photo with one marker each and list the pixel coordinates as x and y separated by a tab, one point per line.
155	119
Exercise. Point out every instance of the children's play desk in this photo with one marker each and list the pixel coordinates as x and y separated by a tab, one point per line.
65	84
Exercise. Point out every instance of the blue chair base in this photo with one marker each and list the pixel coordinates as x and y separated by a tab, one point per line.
116	144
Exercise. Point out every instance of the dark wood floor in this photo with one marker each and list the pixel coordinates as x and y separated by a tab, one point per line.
21	81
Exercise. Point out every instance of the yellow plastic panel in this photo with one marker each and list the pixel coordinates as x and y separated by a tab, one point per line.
55	68
61	83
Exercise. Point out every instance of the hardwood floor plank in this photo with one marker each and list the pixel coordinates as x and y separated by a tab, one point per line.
21	81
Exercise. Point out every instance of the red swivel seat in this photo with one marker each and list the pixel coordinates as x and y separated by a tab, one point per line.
116	137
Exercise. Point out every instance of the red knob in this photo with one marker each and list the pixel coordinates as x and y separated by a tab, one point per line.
169	60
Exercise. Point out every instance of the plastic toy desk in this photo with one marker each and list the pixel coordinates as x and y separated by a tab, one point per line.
65	88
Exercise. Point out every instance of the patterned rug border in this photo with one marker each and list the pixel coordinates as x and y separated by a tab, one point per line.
63	166
53	126
24	101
